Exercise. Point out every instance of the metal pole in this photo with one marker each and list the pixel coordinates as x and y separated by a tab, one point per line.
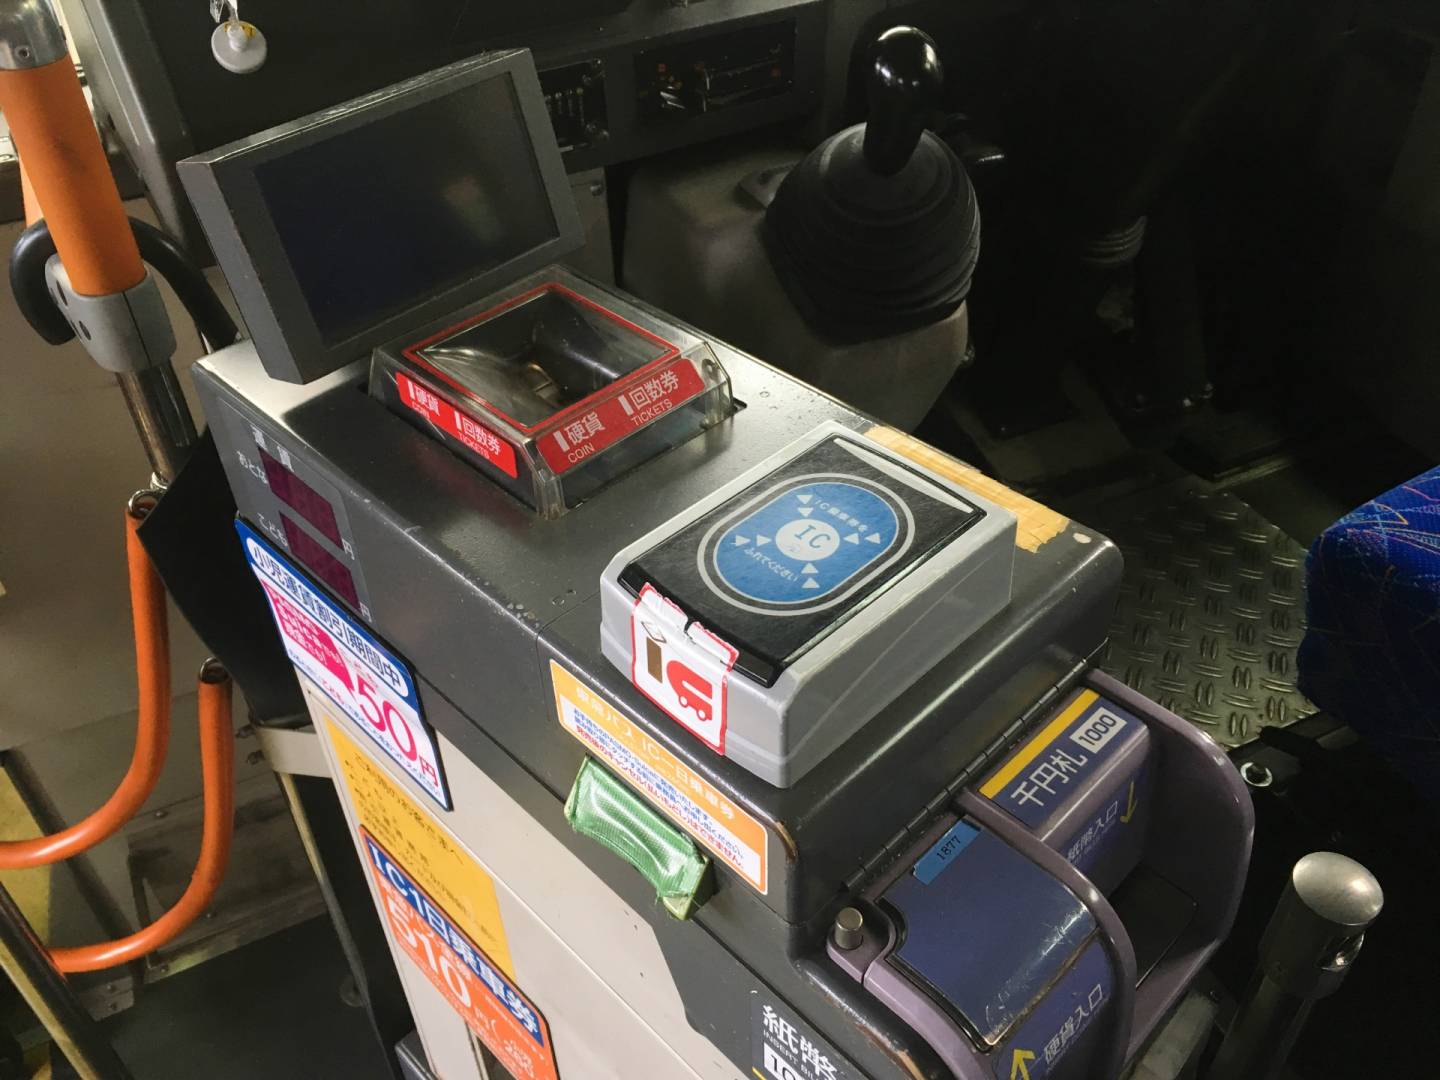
322	827
28	965
162	417
1314	936
55	137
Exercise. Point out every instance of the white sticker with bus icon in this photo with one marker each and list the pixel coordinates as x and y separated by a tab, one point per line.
680	666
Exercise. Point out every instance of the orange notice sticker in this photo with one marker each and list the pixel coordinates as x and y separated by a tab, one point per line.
726	830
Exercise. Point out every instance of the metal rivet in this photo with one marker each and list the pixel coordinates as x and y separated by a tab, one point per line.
1256	775
849	929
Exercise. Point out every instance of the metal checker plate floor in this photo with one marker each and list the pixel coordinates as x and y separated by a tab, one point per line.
1210	612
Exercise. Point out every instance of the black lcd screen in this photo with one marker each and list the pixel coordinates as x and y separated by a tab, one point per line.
382	216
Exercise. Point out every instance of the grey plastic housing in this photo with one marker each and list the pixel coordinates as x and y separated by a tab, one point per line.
123	332
781	732
224	188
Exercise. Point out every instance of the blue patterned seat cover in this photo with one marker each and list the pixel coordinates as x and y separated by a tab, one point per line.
1371	655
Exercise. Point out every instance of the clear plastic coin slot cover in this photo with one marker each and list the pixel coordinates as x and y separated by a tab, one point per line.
554	386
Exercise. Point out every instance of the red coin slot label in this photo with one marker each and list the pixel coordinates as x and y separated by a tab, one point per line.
443	414
609	421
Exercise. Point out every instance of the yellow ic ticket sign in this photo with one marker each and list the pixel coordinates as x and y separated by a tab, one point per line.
439	865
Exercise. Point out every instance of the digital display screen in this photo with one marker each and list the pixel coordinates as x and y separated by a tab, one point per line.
320	562
302	498
385	215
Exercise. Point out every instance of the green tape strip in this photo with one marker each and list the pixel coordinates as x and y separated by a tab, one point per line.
603	808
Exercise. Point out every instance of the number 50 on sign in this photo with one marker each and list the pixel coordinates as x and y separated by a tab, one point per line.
367	682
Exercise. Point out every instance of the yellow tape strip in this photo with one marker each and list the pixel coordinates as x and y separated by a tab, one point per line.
1011	768
31	889
1035	524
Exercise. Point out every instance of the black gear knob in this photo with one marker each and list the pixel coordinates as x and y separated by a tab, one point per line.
876	232
906	79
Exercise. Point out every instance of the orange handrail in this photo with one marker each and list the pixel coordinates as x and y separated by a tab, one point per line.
66	175
55	136
28	199
217	755
152	734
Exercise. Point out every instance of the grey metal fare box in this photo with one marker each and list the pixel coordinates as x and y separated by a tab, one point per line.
585	540
487	601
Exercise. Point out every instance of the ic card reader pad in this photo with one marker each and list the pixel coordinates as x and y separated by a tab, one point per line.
837	571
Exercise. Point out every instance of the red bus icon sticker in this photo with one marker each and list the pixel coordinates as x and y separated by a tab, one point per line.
680	666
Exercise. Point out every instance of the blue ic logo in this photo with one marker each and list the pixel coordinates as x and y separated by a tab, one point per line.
804	544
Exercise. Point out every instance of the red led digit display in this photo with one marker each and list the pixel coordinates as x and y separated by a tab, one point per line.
320	562
302	498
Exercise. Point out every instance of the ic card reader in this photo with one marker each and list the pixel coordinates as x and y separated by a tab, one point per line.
775	617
